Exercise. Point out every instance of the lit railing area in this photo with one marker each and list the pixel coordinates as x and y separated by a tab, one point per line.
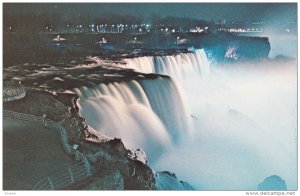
62	178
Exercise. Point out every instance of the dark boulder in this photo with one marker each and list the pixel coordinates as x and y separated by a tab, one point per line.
274	183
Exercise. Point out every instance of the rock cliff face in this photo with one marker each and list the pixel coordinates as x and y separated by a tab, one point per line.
168	181
228	47
114	167
112	164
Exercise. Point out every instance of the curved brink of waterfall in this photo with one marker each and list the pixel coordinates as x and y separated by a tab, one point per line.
151	113
176	66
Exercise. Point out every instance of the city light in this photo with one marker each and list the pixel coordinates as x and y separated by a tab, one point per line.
221	26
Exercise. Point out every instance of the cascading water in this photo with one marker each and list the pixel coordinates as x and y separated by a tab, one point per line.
244	119
167	102
177	66
133	111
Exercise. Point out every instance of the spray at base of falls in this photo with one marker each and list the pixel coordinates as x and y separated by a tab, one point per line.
245	131
244	115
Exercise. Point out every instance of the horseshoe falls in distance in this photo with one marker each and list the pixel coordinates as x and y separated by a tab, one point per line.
237	123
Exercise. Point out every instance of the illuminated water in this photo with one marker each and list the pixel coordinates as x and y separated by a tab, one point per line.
135	111
225	128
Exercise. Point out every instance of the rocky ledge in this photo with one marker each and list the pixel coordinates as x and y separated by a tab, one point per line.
114	166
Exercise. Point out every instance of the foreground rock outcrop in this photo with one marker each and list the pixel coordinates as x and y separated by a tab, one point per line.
272	183
113	166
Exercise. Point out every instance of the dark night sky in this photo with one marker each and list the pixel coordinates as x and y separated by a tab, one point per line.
270	12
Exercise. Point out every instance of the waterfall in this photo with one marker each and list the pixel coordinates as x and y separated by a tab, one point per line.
151	113
245	118
177	66
166	100
148	114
